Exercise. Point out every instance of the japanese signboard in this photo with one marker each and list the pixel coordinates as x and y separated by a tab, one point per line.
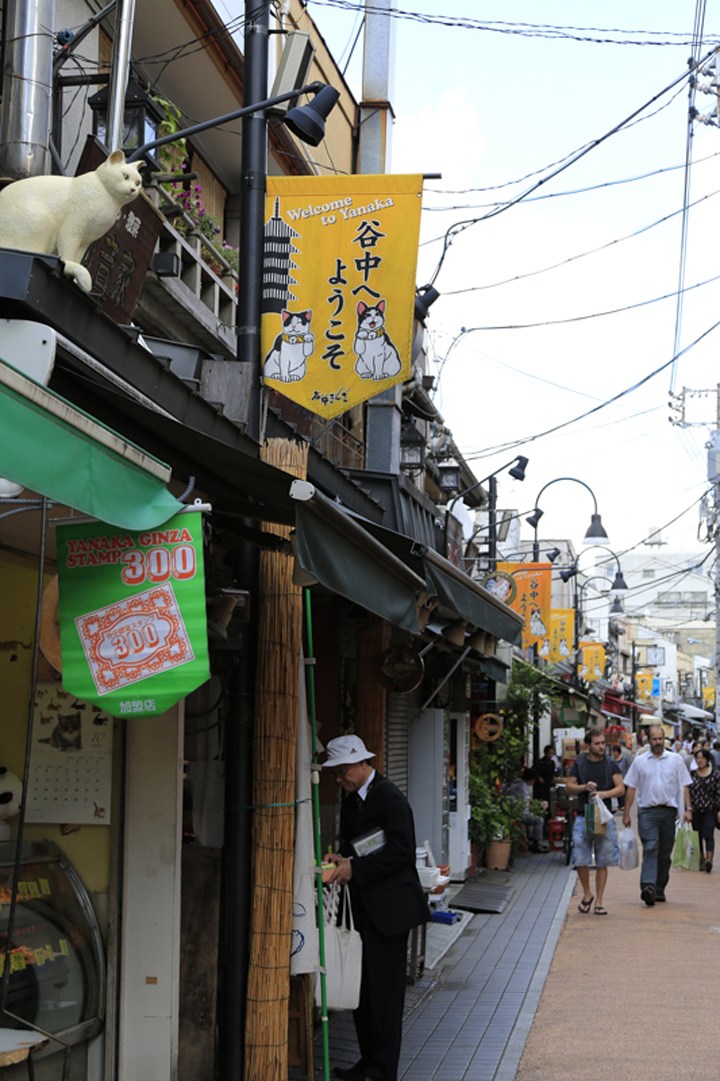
133	627
558	646
339	287
591	661
532	598
119	260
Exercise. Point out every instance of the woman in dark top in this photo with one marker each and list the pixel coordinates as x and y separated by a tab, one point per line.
705	803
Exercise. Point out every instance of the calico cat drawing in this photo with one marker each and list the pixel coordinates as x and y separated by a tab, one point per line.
287	360
67	733
377	357
63	215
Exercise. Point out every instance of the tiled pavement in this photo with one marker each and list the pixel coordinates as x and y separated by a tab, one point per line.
469	1018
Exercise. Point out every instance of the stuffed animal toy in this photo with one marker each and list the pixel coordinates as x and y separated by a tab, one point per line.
10	798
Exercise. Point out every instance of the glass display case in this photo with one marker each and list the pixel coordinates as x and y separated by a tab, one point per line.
55	954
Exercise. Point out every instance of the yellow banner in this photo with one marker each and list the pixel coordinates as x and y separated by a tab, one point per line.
591	661
643	686
339	287
558	645
532	599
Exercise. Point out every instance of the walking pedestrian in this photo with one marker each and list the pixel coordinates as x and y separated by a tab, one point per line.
594	774
705	803
661	783
377	860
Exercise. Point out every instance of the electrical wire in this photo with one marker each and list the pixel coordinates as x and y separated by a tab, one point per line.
459	227
520	29
488	451
581	255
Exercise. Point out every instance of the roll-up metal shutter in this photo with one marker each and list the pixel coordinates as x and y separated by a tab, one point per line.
396	739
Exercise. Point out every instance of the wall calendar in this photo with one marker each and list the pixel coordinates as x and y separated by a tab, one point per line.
70	778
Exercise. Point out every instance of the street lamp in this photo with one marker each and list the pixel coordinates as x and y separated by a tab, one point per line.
619	584
578	598
595	533
518	466
307	123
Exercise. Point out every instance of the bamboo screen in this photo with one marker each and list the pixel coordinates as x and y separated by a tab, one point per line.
276	705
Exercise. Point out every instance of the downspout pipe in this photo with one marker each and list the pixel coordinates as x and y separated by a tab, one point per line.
119	74
27	88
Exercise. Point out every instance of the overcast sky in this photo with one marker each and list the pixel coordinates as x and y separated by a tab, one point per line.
495	109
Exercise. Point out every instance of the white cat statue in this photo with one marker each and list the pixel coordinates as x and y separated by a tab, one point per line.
63	215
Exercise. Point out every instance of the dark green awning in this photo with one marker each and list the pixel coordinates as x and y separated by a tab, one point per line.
342	556
471	601
50	447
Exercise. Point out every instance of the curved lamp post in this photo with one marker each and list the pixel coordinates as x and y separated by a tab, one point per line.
595	533
619	584
518	466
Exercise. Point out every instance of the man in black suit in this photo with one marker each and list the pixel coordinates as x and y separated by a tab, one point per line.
377	859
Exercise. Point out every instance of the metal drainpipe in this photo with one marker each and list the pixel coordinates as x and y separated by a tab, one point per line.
383	413
27	88
119	73
237	846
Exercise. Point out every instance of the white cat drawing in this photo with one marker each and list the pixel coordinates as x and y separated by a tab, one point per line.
377	357
63	215
287	360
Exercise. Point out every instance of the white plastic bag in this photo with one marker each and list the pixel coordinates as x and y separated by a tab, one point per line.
343	954
603	812
629	856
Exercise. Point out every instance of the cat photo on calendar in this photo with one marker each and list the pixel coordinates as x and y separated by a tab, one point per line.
67	733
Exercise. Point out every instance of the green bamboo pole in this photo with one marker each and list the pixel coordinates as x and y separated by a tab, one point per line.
310	673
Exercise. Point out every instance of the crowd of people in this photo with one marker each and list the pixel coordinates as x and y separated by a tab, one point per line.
668	782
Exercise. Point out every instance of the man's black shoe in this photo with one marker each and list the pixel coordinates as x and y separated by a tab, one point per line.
351	1073
647	894
659	896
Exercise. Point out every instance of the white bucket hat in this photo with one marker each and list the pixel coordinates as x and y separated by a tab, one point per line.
346	750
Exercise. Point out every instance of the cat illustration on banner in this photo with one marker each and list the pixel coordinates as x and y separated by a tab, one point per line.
287	360
377	357
64	215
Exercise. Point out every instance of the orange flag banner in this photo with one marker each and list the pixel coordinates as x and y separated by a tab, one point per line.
531	599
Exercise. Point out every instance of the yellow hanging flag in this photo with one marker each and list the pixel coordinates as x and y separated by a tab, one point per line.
339	287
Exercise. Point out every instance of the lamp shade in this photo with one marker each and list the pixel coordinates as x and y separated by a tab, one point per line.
307	122
617	607
552	554
518	471
412	447
568	573
534	518
596	533
449	471
619	583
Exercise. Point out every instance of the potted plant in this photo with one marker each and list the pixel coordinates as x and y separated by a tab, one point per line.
495	822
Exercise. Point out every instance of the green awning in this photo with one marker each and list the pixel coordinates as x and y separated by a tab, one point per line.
459	593
342	556
52	448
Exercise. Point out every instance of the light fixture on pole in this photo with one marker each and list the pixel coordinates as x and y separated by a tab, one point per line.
518	465
619	585
595	533
424	299
449	472
412	448
307	123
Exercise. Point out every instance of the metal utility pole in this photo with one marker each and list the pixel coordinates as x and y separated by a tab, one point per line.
678	404
716	497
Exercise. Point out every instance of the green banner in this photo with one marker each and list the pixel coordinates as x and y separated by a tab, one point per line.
133	625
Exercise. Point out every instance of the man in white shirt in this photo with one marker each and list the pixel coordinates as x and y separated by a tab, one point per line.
661	783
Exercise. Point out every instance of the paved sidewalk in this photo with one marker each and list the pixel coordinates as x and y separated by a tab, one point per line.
632	994
468	1019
